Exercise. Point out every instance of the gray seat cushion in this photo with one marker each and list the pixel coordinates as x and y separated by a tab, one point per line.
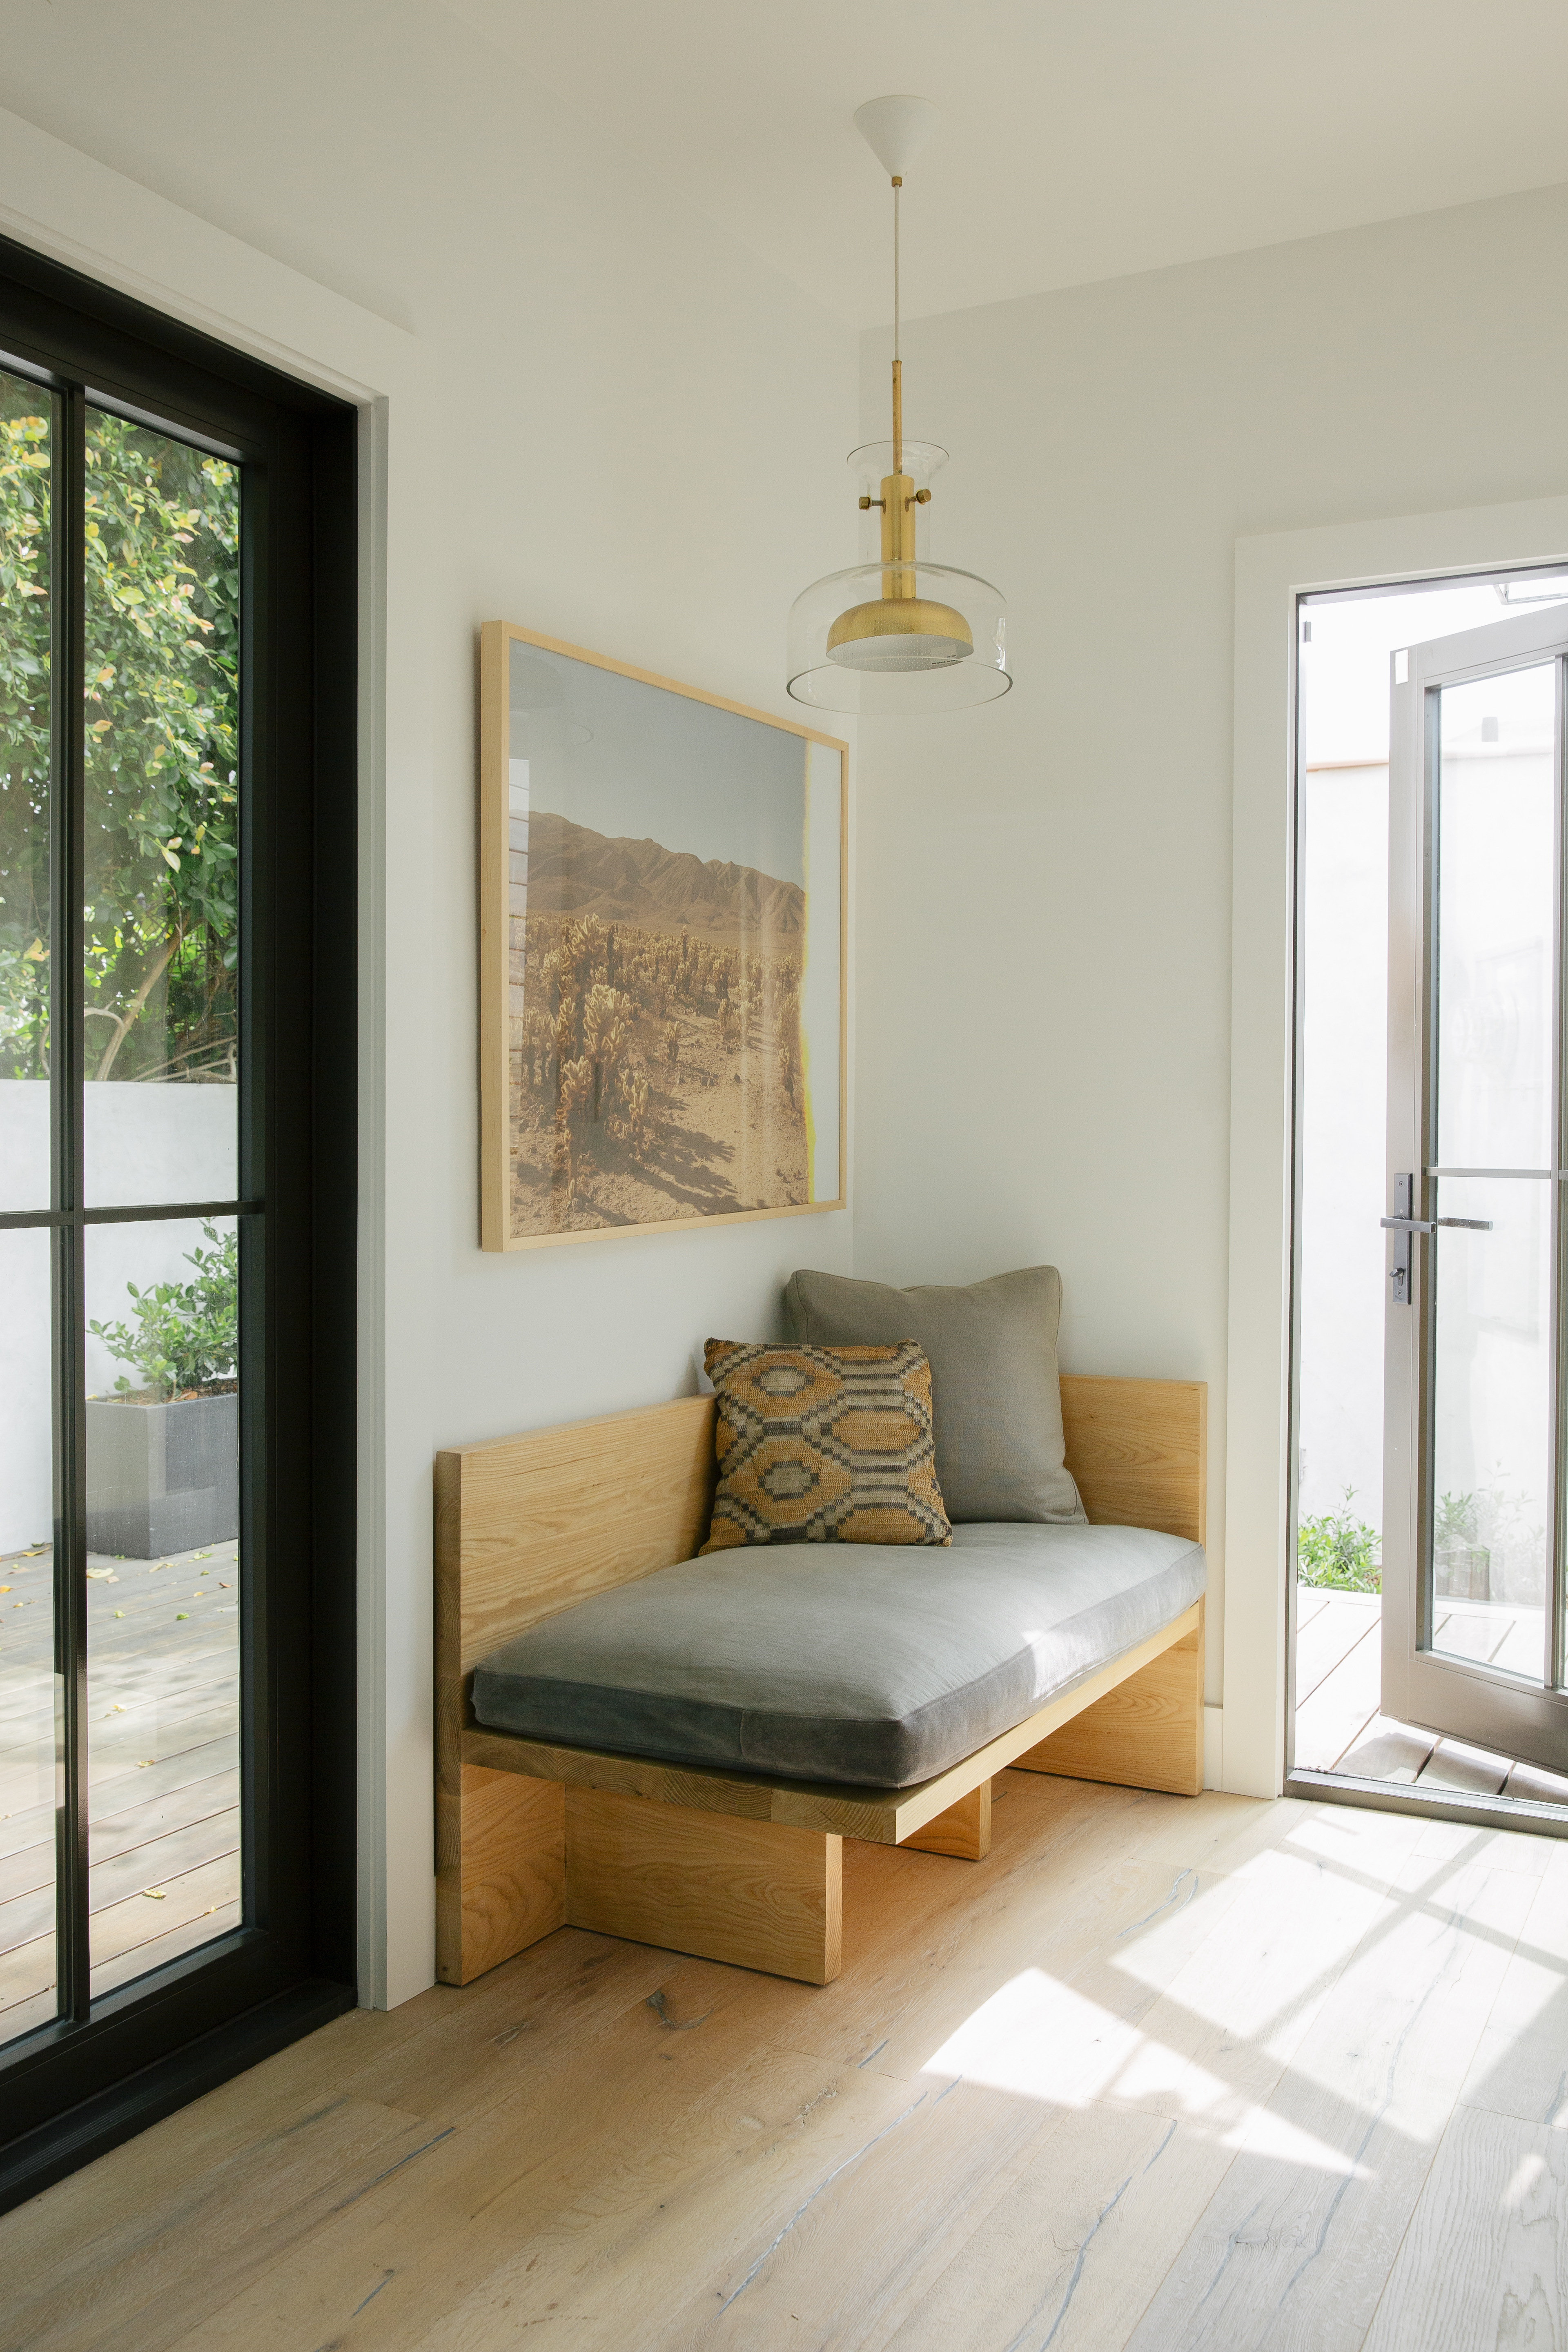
860	1662
996	1403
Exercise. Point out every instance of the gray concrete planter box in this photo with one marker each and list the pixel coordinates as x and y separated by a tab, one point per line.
162	1477
1462	1573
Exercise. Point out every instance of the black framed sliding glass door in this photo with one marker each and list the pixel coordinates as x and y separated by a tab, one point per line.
177	654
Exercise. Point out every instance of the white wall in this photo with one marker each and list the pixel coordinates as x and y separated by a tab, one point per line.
1044	917
1342	974
602	419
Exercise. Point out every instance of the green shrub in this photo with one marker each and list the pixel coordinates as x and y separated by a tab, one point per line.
186	1334
1456	1518
1340	1551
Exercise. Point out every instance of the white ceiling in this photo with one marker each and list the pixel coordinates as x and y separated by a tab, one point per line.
1081	139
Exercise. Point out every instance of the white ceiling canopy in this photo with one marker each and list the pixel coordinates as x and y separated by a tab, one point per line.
896	129
1081	139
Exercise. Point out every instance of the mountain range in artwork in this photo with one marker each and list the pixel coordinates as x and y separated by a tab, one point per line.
574	871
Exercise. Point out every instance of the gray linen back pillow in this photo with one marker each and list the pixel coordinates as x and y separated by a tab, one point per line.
995	1393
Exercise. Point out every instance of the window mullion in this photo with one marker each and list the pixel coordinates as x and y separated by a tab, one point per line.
67	846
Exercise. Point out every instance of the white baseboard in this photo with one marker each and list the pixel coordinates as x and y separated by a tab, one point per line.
1214	1719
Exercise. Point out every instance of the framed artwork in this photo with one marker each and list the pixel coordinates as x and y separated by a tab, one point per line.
662	947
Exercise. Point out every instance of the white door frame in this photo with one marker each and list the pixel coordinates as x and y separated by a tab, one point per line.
1271	572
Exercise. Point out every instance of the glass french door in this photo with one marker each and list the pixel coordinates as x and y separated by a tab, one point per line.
176	1215
1474	1496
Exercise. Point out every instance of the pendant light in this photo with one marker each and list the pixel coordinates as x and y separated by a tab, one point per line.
897	633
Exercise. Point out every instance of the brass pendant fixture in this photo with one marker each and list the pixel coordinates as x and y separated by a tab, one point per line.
928	637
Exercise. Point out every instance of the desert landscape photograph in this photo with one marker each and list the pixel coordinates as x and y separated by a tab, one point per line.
660	1065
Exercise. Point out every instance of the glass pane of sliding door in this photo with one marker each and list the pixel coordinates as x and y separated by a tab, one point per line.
121	963
1492	1015
159	1051
30	1725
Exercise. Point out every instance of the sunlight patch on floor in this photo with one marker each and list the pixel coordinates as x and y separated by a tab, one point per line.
1039	2039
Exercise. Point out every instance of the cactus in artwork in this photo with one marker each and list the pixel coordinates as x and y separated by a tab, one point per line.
624	1033
533	1033
592	949
563	1041
563	1171
606	1028
576	1086
636	1115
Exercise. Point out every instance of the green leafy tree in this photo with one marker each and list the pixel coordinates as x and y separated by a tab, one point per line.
162	640
24	731
186	1335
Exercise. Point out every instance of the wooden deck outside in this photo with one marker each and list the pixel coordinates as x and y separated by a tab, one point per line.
1339	1726
163	1800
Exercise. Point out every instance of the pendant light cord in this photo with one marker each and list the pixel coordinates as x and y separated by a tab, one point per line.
898	367
898	191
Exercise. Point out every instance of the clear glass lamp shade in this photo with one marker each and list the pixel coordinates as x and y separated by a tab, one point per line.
873	459
891	639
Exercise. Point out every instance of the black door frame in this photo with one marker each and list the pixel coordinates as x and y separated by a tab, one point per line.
103	2070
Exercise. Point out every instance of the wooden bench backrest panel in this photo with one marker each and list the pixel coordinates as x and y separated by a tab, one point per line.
1139	1451
527	1525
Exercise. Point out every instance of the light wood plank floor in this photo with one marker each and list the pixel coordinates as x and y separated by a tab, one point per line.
1161	2073
1340	1726
163	1745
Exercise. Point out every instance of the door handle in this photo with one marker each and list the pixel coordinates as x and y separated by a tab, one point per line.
1430	1224
1404	1224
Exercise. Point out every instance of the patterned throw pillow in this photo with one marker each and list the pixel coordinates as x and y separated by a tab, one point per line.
824	1445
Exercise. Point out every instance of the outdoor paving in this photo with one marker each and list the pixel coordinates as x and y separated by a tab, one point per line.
163	1794
1340	1726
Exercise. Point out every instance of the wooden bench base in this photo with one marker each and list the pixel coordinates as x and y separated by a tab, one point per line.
1147	1732
748	1871
760	1894
751	1893
964	1831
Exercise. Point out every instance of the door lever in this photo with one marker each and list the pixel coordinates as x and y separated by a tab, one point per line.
1430	1224
1404	1224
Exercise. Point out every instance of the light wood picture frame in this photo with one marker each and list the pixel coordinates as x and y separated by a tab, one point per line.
663	952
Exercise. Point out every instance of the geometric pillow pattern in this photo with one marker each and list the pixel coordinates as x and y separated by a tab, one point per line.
820	1444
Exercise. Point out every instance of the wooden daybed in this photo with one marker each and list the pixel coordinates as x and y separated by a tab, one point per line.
531	1837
